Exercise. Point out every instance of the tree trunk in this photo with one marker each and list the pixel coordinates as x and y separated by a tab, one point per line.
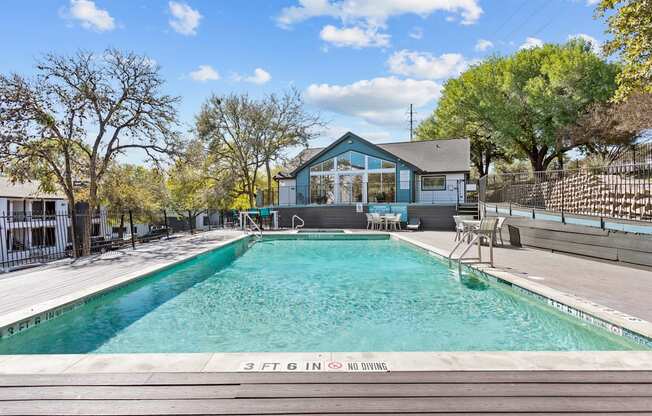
269	184
122	226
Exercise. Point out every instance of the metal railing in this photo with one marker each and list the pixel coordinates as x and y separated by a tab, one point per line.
616	191
296	217
253	227
32	238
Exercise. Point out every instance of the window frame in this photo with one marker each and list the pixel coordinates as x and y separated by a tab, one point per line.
433	189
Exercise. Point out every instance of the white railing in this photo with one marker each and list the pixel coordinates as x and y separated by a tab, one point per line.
254	226
299	225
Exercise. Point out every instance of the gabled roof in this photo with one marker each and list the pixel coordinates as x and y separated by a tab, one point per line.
444	155
25	190
316	154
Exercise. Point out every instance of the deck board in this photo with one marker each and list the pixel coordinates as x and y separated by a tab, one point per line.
22	290
434	393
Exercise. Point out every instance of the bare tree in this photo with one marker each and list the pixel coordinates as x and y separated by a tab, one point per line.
608	130
288	125
245	135
70	122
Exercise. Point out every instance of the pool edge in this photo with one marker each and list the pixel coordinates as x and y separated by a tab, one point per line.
609	319
34	315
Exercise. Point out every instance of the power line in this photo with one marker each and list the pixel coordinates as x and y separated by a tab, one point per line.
543	5
514	13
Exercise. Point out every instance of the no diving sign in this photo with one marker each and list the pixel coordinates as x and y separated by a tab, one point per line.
313	366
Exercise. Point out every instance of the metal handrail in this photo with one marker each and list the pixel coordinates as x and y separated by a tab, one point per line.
255	226
466	249
300	219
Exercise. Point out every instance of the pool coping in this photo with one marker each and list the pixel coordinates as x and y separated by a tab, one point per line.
325	362
348	361
616	322
23	319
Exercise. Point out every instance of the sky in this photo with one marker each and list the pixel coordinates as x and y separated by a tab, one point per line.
359	63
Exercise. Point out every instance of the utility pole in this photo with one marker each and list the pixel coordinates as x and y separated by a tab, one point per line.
411	122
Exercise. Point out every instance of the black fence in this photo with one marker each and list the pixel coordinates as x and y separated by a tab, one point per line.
31	238
617	191
435	191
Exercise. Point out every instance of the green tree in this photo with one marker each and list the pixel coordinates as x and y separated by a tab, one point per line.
134	188
545	89
465	110
630	25
197	183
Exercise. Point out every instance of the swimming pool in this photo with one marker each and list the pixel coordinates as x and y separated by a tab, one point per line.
312	293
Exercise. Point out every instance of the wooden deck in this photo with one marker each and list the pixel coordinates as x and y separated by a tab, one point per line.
396	393
26	293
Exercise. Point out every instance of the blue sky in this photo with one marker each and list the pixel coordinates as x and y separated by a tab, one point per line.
359	63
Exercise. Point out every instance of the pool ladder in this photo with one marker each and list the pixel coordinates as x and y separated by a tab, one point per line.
253	227
298	225
471	242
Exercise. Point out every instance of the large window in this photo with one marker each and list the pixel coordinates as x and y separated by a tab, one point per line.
352	177
381	187
322	189
433	183
350	189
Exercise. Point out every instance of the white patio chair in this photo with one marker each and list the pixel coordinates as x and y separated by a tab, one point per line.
394	221
499	230
376	221
370	220
459	226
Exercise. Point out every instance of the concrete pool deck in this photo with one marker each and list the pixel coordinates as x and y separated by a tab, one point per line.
443	383
622	288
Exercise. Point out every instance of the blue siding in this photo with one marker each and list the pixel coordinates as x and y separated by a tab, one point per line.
352	143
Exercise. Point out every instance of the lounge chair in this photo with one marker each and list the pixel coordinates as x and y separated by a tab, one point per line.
414	224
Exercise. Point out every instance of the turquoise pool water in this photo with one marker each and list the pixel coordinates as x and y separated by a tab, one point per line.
311	295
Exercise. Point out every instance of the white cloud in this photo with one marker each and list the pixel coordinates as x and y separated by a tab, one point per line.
355	37
376	12
483	45
592	2
259	77
416	33
596	45
185	19
378	101
90	17
531	43
424	65
205	73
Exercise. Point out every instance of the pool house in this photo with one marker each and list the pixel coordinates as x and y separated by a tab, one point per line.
334	186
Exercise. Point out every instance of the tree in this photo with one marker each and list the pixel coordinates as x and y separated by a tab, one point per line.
607	130
79	113
544	90
196	186
464	110
134	188
630	25
286	124
245	135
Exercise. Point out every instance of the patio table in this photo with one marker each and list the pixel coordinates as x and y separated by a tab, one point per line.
469	225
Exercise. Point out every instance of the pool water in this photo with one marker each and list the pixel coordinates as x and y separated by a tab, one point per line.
312	295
